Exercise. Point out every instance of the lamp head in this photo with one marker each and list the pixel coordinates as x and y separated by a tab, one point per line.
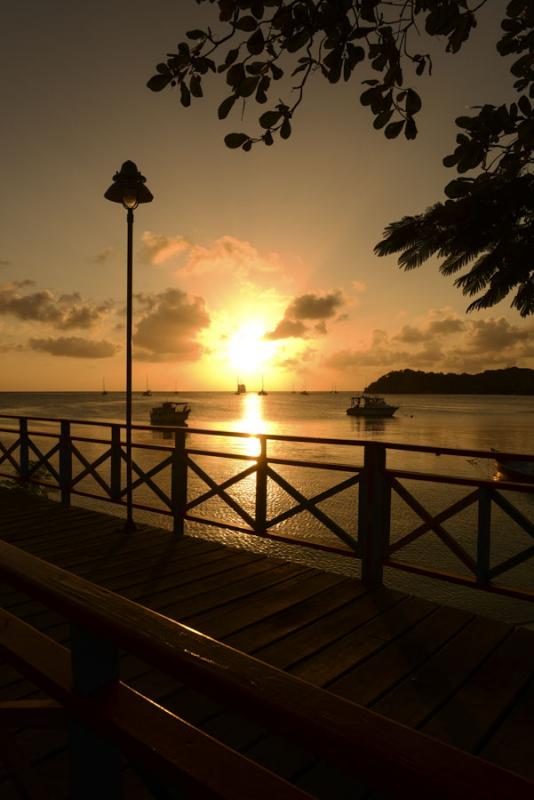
128	187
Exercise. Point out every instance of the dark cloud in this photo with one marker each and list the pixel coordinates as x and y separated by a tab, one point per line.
168	331
495	335
286	329
65	312
314	306
308	307
447	326
74	347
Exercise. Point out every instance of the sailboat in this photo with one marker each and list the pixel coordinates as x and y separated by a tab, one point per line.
147	392
262	390
241	388
104	386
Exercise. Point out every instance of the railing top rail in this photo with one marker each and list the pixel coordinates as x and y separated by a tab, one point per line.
278	437
389	753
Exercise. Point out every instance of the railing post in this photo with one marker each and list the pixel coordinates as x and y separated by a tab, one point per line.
261	488
374	512
116	462
65	462
179	482
484	534
24	449
95	762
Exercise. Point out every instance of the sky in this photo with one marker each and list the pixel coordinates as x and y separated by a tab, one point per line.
245	264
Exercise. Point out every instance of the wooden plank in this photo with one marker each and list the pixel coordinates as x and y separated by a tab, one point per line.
235	616
415	700
320	633
332	661
297	616
481	702
512	745
370	679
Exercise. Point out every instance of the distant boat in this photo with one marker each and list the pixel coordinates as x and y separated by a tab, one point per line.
147	392
366	405
304	392
241	388
262	390
104	391
169	413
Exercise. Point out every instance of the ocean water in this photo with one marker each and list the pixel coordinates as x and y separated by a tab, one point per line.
466	422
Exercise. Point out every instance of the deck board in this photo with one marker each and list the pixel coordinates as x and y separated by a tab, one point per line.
466	680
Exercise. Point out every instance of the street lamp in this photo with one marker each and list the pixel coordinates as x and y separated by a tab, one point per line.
128	188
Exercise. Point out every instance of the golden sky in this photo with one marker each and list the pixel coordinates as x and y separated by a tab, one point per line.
245	264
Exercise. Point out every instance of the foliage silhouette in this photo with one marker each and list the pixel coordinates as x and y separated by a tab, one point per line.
263	40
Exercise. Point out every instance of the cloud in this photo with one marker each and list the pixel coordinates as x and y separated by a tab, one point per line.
229	255
157	248
169	328
359	286
307	307
104	255
300	361
4	262
65	312
286	329
314	306
74	347
443	342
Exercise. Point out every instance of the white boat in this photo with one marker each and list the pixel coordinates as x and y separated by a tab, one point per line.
169	413
368	405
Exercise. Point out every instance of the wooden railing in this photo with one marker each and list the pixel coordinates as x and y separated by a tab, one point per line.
109	718
58	459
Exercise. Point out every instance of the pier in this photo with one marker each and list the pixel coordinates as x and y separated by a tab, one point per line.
230	673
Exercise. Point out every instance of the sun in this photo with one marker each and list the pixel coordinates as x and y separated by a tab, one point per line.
248	352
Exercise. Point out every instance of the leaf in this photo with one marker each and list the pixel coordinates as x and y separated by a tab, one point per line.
413	102
269	119
185	95
393	129
196	34
285	130
458	188
247	86
195	86
248	24
256	43
159	82
410	131
226	106
234	140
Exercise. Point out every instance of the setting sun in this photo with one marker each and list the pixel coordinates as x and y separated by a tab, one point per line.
248	352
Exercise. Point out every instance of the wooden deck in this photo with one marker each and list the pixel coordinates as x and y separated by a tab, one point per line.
461	678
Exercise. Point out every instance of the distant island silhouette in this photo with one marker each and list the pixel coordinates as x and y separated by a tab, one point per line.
513	380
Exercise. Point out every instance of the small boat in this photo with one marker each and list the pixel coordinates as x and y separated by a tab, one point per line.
366	405
104	391
241	388
515	469
147	392
169	413
262	390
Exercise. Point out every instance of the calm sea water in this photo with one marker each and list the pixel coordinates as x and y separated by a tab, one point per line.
468	422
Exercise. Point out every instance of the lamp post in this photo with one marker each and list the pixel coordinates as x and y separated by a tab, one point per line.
128	188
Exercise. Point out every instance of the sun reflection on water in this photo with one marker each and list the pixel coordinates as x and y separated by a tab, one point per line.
252	422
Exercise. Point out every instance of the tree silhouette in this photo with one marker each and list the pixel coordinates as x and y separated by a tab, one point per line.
488	217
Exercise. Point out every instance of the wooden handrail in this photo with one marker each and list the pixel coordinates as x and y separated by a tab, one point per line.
389	755
277	437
